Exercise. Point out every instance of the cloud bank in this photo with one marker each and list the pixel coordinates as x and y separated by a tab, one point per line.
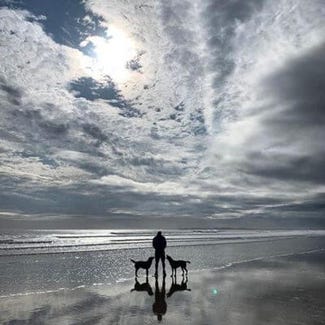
220	116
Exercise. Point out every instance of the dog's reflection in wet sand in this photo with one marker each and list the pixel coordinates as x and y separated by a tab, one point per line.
145	286
178	287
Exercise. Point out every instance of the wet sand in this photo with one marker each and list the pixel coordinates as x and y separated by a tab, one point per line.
281	290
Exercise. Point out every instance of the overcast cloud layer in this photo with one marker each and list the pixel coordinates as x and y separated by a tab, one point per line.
218	115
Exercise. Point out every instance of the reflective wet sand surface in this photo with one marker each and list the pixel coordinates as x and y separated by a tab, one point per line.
280	290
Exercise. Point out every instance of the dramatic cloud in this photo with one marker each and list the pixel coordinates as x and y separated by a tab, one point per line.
203	111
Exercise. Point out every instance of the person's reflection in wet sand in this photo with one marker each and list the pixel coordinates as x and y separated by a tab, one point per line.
178	287
145	286
159	307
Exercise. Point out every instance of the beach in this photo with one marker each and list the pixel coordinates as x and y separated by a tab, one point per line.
180	132
275	281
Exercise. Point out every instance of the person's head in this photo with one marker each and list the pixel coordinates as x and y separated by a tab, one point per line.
159	233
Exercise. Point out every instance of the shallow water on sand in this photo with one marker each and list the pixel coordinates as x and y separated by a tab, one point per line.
279	290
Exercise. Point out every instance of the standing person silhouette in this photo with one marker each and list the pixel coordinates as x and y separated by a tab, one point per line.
159	244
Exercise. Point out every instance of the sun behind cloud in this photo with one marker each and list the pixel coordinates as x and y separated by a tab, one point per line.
111	54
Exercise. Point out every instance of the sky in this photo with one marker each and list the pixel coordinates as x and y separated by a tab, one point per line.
128	113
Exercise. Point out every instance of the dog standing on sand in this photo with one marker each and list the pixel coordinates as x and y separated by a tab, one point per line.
176	264
142	265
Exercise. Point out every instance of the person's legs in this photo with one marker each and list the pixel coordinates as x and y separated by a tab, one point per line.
163	262
156	262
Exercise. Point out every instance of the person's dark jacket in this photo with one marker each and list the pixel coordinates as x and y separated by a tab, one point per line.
159	243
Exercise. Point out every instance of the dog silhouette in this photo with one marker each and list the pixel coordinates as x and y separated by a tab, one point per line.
175	264
142	265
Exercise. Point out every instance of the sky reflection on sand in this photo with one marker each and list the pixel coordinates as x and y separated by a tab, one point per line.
274	291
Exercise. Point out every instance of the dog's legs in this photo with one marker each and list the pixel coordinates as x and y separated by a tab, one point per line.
147	271
136	272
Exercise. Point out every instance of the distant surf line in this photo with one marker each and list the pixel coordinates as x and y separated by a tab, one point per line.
114	246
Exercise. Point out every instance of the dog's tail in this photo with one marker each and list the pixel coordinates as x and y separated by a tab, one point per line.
188	262
132	260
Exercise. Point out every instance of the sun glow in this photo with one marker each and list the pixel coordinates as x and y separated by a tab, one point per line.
112	55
